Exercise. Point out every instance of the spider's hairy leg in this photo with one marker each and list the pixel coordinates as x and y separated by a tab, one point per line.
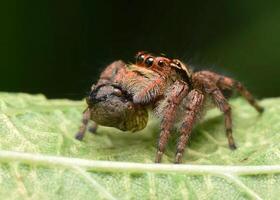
226	82
224	106
195	103
212	84
177	92
208	81
86	117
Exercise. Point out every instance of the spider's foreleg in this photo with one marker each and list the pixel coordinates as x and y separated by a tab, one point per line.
173	98
226	82
86	117
195	103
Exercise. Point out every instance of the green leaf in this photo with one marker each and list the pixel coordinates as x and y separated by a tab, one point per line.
40	159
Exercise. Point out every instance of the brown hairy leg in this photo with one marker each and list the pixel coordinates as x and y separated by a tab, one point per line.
178	91
224	106
209	83
208	80
212	84
86	117
195	104
228	83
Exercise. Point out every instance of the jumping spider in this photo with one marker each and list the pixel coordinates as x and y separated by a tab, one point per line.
170	88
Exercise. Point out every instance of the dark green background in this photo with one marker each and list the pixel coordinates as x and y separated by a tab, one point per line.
58	48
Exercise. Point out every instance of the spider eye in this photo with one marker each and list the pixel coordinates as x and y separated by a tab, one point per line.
140	58
161	63
117	92
149	61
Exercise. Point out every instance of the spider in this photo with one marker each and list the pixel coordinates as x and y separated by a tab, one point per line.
171	89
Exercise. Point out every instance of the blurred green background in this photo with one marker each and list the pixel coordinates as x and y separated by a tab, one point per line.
58	48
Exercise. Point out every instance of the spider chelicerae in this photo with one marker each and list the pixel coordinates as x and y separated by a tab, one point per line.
167	86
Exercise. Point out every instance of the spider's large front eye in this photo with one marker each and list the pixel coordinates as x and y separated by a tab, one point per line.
161	63
149	61
140	58
117	92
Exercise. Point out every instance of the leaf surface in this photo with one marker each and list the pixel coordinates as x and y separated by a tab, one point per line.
40	159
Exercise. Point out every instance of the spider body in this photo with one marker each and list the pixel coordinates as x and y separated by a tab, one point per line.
171	89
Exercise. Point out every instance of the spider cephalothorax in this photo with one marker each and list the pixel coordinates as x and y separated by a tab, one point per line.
169	87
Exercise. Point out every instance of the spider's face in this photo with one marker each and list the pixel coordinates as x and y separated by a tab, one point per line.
110	106
161	63
149	61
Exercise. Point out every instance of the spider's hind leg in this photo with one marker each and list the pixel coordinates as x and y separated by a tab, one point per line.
224	106
228	83
213	84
